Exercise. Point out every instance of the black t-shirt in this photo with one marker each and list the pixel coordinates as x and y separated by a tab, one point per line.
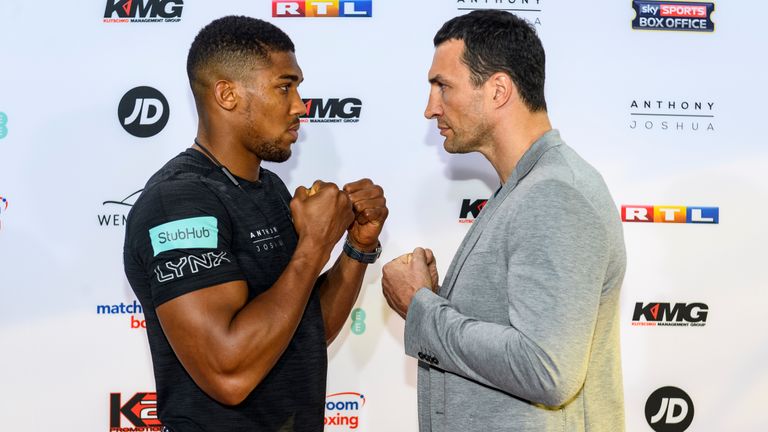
192	228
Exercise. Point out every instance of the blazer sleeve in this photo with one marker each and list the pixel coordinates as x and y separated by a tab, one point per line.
557	258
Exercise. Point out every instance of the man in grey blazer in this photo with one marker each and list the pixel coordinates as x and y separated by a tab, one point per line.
523	334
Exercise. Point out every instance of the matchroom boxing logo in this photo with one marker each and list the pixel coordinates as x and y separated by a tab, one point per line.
675	16
3	208
143	11
134	309
342	411
528	9
322	8
143	112
333	110
140	411
669	409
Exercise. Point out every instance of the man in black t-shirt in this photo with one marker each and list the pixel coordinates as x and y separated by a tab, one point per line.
226	263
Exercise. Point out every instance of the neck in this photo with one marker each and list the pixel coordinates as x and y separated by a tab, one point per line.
228	153
512	139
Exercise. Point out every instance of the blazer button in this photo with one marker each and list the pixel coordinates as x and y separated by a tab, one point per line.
421	355
437	362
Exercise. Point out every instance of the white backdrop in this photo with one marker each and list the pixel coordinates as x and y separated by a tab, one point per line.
68	351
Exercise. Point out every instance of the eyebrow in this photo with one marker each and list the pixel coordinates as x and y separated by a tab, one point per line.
291	77
437	79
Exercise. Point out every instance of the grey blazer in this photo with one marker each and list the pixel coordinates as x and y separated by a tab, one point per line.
524	333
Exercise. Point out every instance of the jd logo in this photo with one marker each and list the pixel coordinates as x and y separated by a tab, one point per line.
143	112
140	410
669	409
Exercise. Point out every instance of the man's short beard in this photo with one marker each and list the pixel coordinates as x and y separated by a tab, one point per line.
271	152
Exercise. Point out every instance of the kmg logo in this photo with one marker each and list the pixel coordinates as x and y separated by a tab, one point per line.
333	110
322	8
471	208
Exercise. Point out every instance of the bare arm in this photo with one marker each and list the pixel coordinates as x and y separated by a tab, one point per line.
227	344
339	291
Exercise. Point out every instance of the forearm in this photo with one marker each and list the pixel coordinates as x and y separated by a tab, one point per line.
494	354
339	292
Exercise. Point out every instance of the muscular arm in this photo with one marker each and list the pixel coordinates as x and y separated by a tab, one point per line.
339	291
228	344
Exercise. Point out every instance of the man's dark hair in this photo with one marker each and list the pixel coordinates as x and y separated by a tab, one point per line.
231	44
498	41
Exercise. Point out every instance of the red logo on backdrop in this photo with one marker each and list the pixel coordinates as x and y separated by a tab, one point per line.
140	411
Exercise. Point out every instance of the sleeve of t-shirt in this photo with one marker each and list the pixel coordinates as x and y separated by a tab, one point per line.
183	239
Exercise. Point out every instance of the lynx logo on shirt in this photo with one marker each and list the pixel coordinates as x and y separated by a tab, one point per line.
192	233
176	269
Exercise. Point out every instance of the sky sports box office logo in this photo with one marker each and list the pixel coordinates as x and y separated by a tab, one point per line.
677	16
322	8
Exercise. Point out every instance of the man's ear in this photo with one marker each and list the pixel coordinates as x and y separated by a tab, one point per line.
225	94
502	88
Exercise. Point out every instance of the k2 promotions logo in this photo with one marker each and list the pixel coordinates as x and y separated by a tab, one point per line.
670	315
143	112
470	209
666	115
322	8
332	110
342	411
669	409
143	11
675	16
527	9
140	411
3	125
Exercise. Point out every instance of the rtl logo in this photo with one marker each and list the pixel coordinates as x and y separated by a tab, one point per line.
471	207
140	411
143	9
143	112
669	409
332	110
322	8
670	214
665	314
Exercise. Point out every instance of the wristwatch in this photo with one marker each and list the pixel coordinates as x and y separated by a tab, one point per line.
363	257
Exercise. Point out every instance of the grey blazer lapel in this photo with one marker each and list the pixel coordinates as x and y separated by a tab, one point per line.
524	166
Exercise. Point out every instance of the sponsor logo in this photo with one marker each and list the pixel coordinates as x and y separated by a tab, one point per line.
175	269
358	321
689	116
140	411
134	309
670	214
470	209
675	16
143	11
266	239
198	232
332	110
669	409
117	219
342	410
322	8
143	112
670	315
3	125
528	9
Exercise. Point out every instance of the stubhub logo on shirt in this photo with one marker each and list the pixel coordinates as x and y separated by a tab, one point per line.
191	233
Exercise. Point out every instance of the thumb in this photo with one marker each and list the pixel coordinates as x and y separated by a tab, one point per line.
420	256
